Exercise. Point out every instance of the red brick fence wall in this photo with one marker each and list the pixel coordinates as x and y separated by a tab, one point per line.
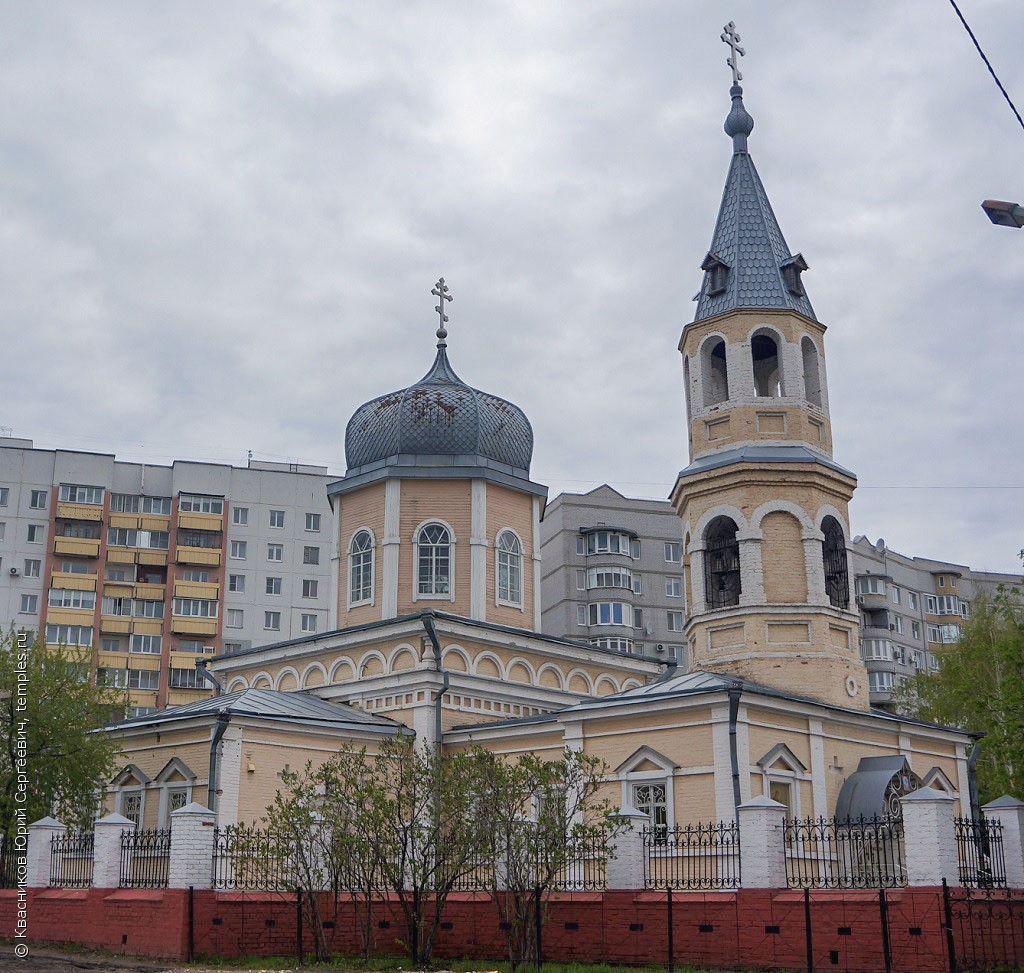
747	928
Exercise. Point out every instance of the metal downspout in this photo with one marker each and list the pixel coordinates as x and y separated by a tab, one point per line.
972	779
218	734
734	708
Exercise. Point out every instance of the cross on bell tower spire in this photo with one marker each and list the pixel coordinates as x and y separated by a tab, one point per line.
731	38
440	291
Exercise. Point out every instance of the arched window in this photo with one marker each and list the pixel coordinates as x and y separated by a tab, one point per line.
510	568
764	353
714	372
722	564
434	560
812	372
360	568
837	577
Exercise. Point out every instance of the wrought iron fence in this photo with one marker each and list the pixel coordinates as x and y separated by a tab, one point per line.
693	856
583	867
71	858
253	859
847	853
979	845
9	855
145	859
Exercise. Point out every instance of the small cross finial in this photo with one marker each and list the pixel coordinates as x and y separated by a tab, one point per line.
440	291
731	38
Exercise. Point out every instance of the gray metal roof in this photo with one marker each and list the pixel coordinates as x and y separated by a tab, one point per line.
270	704
762	453
747	238
440	415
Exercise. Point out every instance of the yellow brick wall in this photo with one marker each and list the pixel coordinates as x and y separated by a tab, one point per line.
360	508
510	508
782	554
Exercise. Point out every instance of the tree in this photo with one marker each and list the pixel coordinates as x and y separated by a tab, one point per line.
544	827
980	686
47	716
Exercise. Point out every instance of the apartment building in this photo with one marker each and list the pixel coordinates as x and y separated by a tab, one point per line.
612	575
140	569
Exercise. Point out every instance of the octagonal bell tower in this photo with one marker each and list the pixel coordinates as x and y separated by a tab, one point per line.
764	507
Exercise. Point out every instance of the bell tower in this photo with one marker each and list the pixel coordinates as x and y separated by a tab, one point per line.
763	504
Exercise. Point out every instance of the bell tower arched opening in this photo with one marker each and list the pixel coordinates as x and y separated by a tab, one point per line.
833	552
764	353
714	373
812	372
722	584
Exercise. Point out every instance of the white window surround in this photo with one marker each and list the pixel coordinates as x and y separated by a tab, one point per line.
175	776
372	600
130	781
937	778
646	766
514	554
781	766
450	595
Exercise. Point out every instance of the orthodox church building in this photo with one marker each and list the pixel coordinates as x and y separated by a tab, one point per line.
438	581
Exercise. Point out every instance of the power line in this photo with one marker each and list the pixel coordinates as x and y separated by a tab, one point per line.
991	70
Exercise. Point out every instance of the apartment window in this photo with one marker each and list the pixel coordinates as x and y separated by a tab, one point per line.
898	623
918	660
5	495
69	635
236	582
879	682
637	585
950	633
634	548
310	588
134	712
32	567
71	598
239	550
272	621
29	604
194	607
232	646
609	578
675	621
609	542
235	618
947	605
240	516
673	551
186	679
610	613
145	608
118	574
277	519
129	537
273	586
870	585
942	581
109	644
73	567
74	493
113	678
193	645
933	662
581	580
192	503
912	599
934	633
915	629
36	533
143	678
952	582
965	609
190	537
313	522
112	605
615	643
310	555
275	552
37	500
129	504
66	528
877	649
894	594
581	545
581	614
673	587
194	575
931	605
433	560
308	623
638	618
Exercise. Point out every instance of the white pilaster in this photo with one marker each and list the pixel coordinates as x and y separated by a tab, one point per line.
818	771
538	503
929	838
38	852
229	772
722	757
1009	812
392	548
106	862
814	563
700	602
751	567
763	844
626	869
192	829
478	551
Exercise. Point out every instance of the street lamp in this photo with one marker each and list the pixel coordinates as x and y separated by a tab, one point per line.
1004	214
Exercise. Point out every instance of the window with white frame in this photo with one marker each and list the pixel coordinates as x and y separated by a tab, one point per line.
931	605
652	799
915	630
360	568
877	649
277	519
3	529
29	604
37	500
674	621
310	555
673	551
312	522
36	533
308	623
5	496
433	561
194	607
609	542
236	582
897	622
71	598
310	587
239	550
113	678
235	618
950	633
273	586
144	679
868	584
240	516
275	552
146	644
193	503
609	577
912	600
32	567
129	503
934	633
272	621
894	594
69	635
673	586
77	493
131	806
615	643
610	613
195	575
581	579
638	618
581	614
509	553
175	799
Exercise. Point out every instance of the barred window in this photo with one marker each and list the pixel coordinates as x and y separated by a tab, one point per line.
837	577
722	585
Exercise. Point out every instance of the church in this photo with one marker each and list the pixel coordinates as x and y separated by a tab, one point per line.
437	527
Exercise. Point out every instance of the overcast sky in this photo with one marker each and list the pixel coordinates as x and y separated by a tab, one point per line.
220	224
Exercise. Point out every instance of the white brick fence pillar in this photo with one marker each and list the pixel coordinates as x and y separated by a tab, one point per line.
763	844
929	838
38	851
1009	812
626	869
106	859
192	828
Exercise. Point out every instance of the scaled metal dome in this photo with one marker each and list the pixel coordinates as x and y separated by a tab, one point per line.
439	416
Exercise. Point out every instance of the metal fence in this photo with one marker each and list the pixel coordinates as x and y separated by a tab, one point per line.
253	859
9	856
848	853
979	845
694	856
71	858
145	859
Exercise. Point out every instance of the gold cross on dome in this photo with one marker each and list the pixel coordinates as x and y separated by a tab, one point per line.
440	291
731	38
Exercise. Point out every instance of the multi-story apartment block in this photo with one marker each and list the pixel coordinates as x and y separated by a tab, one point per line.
611	575
139	570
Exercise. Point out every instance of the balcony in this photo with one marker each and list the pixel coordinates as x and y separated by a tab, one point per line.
198	555
208	590
76	546
147	626
127	521
76	582
116	624
151	557
79	511
120	555
200	521
150	592
873	601
193	626
154	522
69	616
117	589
